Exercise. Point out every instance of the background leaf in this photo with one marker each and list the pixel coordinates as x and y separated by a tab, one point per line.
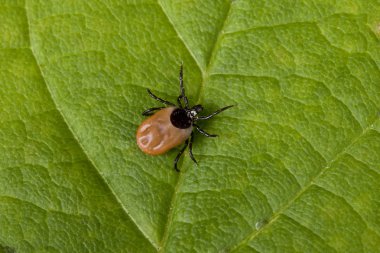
297	163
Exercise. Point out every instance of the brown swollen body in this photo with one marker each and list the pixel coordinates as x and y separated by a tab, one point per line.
156	134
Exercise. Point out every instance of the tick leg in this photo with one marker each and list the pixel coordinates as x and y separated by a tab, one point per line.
191	148
179	101
159	99
204	132
214	113
150	111
179	155
183	96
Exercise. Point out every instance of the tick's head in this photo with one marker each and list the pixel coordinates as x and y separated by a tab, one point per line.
193	112
197	108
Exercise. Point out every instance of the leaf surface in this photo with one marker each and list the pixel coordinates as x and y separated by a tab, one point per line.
296	166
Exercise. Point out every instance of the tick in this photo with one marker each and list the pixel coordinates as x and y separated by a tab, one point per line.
168	127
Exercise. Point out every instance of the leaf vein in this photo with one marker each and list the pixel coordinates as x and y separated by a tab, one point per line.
363	221
179	35
205	74
284	207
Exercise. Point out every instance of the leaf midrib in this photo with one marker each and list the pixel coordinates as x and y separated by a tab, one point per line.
205	76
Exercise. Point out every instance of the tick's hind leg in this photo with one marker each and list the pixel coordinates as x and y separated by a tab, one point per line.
151	111
191	148
179	155
159	99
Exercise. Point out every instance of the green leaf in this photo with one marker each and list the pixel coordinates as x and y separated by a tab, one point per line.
296	166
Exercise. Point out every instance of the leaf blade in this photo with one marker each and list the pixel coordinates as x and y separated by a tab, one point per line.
306	85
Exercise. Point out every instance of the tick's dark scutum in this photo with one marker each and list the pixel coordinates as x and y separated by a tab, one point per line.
180	119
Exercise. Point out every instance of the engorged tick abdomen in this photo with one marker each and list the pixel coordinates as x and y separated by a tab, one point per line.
156	134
